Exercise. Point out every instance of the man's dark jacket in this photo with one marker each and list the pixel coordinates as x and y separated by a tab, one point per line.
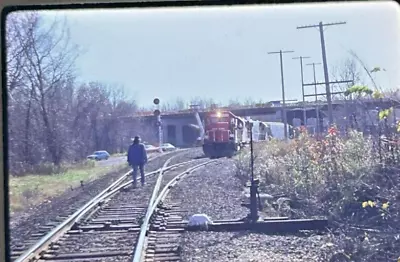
137	154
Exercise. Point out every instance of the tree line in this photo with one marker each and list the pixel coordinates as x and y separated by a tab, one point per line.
52	118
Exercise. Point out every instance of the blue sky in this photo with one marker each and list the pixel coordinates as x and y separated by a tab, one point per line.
221	52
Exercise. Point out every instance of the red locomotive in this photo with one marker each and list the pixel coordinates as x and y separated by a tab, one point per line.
224	134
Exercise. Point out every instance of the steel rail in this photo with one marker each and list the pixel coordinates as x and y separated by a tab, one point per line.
42	244
115	190
145	226
151	159
140	243
158	182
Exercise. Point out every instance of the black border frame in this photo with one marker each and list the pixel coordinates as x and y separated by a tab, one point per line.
102	5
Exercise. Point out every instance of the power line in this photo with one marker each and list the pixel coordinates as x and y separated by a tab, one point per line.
302	85
280	52
325	63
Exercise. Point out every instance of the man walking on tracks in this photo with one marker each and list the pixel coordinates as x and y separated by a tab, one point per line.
137	158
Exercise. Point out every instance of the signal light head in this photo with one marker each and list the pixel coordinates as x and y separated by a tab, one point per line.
156	101
157	112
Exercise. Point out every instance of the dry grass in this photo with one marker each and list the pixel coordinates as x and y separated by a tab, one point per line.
347	180
34	189
119	154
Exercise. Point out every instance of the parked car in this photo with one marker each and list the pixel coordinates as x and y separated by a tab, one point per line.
150	148
167	147
99	155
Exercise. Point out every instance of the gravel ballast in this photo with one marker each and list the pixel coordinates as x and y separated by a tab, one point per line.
216	192
246	246
212	190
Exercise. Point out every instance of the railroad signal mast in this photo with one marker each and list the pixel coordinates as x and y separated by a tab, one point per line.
157	113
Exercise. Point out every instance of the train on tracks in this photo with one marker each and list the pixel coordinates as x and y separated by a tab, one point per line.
224	134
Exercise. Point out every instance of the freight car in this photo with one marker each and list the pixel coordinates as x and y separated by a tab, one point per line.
261	131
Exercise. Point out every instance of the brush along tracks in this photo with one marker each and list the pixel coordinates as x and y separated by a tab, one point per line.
106	228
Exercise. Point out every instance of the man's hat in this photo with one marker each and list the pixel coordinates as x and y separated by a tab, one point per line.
137	138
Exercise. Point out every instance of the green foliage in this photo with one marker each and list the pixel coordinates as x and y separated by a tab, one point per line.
359	90
377	95
377	69
384	114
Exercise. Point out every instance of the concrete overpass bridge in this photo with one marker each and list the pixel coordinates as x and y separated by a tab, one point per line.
178	130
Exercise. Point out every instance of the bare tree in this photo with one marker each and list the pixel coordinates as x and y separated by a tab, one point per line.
122	105
234	103
50	60
348	70
175	105
51	118
249	102
18	29
40	83
203	103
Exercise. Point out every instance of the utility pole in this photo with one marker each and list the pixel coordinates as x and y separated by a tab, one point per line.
332	93
315	92
280	52
302	87
328	89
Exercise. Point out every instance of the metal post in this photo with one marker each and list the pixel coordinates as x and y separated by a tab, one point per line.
283	96
328	90
254	183
160	134
157	113
316	97
326	75
283	91
302	86
251	152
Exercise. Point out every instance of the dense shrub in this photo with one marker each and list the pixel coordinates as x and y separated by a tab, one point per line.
352	180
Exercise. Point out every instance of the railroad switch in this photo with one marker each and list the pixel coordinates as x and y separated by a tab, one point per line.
254	202
253	221
255	182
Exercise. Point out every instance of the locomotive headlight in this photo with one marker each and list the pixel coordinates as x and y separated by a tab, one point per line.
218	114
231	135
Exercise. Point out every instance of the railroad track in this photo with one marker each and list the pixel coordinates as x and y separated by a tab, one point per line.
114	224
20	246
160	234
